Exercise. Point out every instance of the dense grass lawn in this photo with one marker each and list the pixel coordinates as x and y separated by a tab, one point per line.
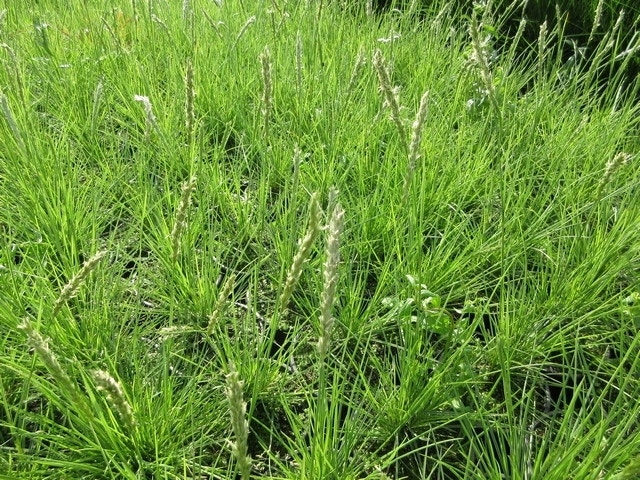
303	240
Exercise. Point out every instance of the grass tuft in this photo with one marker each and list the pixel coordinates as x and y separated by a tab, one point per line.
476	318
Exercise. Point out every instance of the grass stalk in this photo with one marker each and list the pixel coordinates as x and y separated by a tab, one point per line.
267	90
180	222
189	108
299	64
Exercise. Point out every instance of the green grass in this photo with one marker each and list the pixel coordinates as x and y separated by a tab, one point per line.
476	316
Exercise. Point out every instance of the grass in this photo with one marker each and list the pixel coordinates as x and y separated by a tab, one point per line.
296	239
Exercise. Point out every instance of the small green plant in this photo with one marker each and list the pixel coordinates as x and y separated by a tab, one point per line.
424	307
631	308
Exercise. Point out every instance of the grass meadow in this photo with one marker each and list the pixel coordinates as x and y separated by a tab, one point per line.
307	240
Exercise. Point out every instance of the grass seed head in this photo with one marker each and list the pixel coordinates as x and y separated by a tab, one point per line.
597	19
613	165
40	345
480	51
239	423
95	108
181	216
391	94
227	287
416	140
250	21
355	73
304	249
542	40
72	287
616	26
330	273
186	9
114	394
151	121
15	66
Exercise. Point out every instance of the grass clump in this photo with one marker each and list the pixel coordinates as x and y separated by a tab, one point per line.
466	307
